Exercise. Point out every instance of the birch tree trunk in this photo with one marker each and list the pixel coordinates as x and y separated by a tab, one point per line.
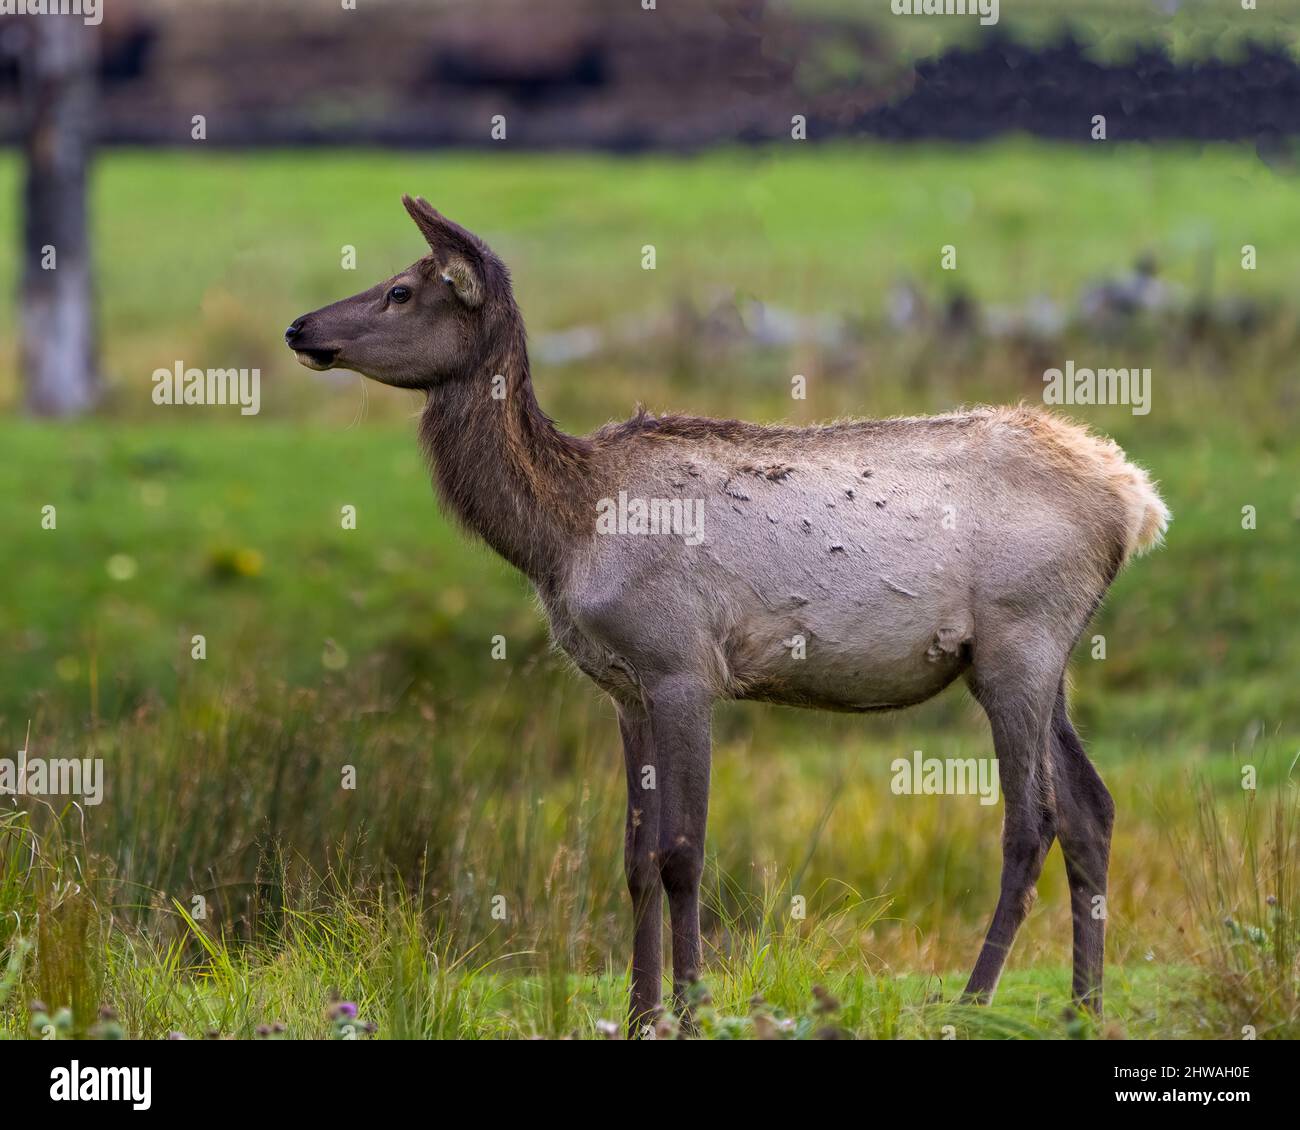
57	315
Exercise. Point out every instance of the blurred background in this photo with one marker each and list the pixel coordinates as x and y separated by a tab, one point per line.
1118	181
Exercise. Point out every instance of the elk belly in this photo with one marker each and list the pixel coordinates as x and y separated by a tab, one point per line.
853	666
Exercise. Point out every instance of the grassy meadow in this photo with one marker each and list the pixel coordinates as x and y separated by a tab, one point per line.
470	884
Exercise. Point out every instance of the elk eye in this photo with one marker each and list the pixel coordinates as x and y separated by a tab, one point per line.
400	293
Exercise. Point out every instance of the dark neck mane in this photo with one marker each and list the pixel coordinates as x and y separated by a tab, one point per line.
502	467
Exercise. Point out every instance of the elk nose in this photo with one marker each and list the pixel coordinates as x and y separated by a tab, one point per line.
294	330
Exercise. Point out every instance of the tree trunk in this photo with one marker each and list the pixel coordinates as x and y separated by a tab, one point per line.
58	323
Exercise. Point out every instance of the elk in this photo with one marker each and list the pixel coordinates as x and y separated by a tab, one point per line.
904	553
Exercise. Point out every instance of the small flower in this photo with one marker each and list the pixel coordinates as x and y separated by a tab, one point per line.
107	1030
121	567
665	1027
247	562
697	994
825	1002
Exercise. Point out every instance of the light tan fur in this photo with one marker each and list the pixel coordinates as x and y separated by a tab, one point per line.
1076	450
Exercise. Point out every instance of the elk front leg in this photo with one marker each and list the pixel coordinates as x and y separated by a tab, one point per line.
641	865
680	714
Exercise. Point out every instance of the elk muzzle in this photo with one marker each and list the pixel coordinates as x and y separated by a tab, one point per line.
310	351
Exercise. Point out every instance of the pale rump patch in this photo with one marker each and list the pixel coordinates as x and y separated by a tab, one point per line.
1072	448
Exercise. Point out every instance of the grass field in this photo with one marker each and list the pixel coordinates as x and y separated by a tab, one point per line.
228	881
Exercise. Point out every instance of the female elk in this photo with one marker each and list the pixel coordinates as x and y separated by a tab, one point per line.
903	554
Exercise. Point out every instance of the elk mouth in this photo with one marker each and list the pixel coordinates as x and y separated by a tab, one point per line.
316	358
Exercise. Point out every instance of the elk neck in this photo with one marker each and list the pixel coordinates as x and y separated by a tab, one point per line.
502	467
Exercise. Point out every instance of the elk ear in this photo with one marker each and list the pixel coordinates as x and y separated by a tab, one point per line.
427	219
464	281
452	246
442	235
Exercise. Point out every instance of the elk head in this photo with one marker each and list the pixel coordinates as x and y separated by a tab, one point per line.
429	324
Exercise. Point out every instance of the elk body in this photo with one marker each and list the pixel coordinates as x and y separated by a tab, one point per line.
855	567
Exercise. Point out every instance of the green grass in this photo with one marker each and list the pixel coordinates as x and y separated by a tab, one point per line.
209	255
235	534
417	965
477	778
